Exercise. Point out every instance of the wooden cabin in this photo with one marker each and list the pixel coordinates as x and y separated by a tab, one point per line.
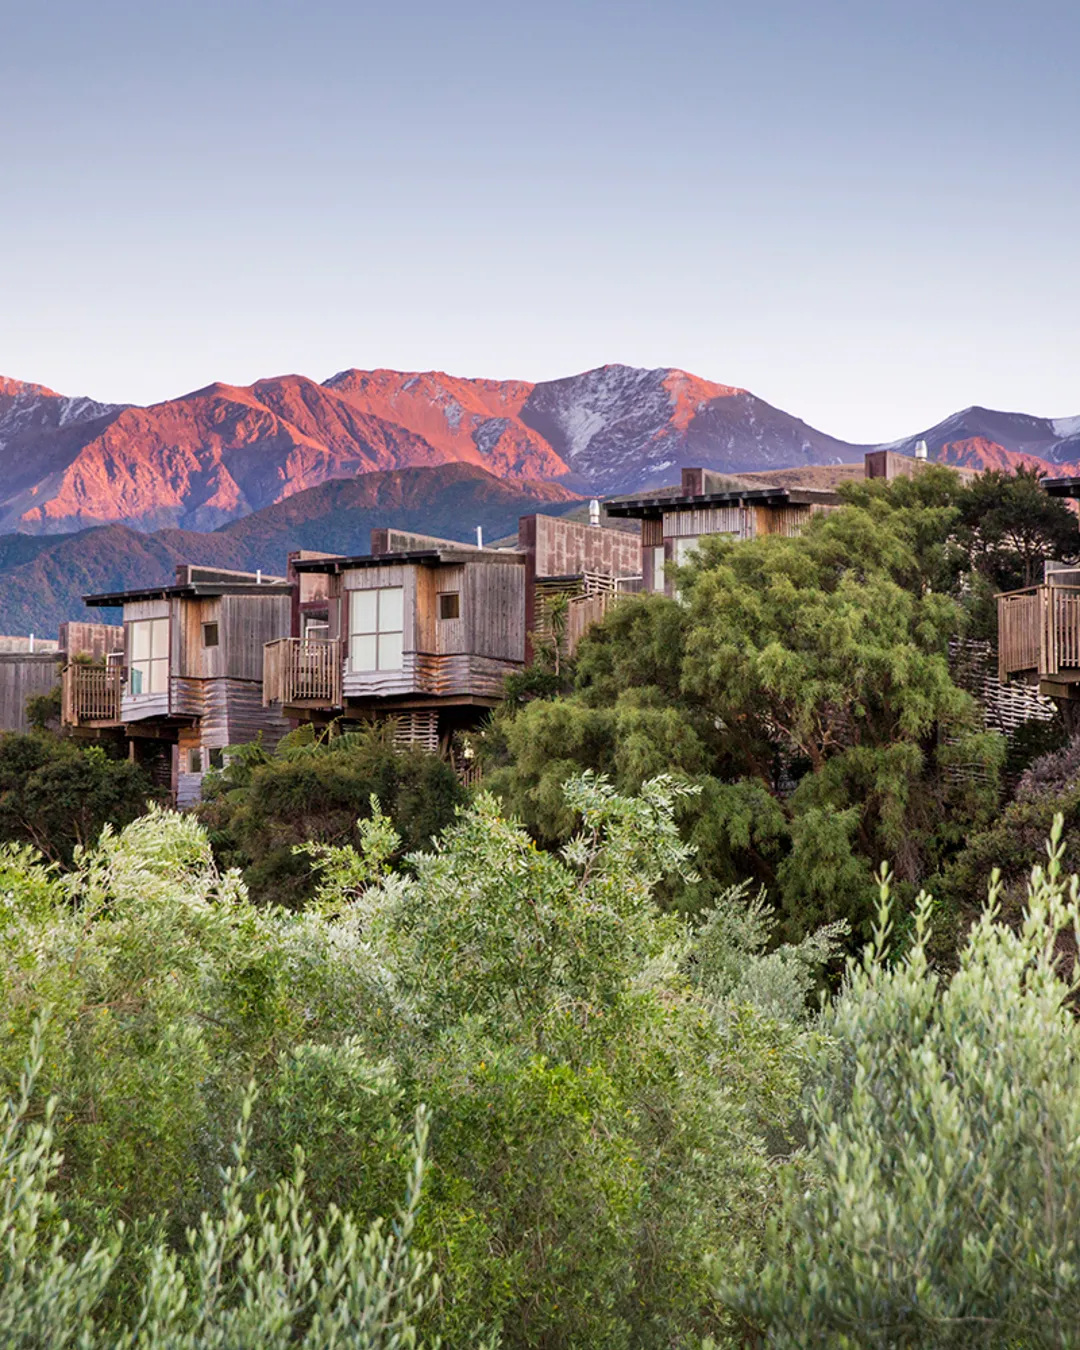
188	682
673	521
31	666
426	630
744	506
425	635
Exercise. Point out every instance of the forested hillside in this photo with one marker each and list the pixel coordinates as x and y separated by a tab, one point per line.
43	578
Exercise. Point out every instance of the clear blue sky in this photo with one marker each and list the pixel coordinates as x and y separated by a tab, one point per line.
867	212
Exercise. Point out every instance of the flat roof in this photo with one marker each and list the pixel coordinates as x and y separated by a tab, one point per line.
1062	487
421	557
194	591
764	496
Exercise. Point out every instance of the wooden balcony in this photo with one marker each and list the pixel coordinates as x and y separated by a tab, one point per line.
302	672
1039	633
90	695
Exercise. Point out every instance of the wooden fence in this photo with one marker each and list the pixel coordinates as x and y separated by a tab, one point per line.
299	671
1039	630
90	695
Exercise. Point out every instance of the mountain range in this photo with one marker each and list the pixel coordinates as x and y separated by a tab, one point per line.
213	456
99	496
43	577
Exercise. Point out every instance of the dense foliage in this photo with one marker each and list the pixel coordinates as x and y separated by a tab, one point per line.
314	787
944	1115
804	685
57	794
354	1060
601	1079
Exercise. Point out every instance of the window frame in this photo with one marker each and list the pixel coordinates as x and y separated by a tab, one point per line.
215	625
444	596
659	560
152	670
384	628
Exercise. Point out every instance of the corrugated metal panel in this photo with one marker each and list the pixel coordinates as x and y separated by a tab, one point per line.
247	623
493	610
95	640
146	609
734	520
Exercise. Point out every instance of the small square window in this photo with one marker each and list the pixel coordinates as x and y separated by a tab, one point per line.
195	759
216	756
209	635
449	605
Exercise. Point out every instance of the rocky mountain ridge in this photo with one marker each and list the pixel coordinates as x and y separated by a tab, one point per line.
223	452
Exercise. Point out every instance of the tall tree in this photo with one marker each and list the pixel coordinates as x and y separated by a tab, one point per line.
1009	527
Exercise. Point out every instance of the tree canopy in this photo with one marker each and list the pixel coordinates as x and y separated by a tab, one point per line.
804	685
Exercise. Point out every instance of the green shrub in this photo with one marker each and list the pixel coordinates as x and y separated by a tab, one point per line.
262	1272
57	795
943	1128
314	787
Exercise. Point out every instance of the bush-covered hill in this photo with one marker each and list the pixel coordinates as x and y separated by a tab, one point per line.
42	579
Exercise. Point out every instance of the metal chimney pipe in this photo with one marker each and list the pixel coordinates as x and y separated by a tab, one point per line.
479	536
594	512
922	450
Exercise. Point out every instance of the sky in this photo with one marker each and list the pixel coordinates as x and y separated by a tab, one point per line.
866	212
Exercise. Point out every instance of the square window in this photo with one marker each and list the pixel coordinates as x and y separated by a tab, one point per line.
216	757
450	605
195	759
210	635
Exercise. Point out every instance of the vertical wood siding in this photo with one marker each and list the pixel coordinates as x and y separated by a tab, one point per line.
24	675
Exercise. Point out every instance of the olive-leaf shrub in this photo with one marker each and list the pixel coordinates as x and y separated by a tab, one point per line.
944	1134
168	991
260	1274
606	1093
598	1116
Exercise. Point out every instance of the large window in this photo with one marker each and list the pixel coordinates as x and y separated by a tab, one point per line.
148	662
376	627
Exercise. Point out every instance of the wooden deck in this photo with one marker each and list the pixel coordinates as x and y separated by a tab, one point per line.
90	695
1039	632
299	672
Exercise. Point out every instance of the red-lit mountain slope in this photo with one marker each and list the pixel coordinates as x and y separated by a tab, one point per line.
218	454
43	577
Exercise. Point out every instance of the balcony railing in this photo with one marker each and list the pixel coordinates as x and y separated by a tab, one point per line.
1039	631
90	695
302	672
